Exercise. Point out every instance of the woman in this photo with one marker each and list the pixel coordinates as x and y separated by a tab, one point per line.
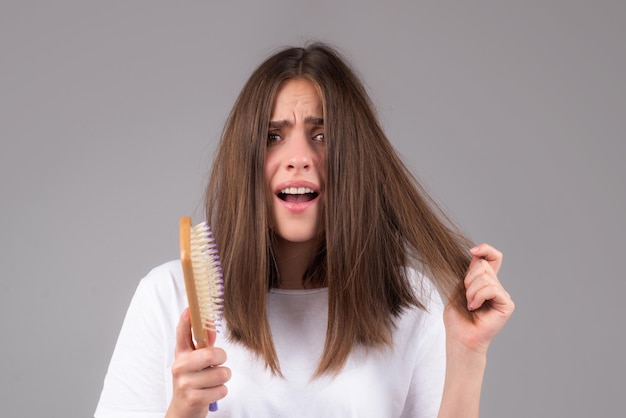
334	259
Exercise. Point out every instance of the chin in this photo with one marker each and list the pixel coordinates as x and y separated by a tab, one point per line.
298	231
298	237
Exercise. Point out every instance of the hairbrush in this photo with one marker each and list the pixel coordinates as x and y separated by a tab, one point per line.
203	280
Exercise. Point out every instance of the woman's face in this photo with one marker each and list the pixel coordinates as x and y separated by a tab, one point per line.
295	162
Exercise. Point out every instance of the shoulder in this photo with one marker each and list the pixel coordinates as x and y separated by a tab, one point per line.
163	289
165	277
422	325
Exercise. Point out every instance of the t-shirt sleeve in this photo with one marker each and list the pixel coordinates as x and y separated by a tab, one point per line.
138	381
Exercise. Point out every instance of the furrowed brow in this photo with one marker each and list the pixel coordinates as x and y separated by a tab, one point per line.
309	120
278	124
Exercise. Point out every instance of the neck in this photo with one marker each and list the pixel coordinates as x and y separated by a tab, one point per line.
292	261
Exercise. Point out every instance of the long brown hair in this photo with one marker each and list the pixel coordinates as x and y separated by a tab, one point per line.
378	220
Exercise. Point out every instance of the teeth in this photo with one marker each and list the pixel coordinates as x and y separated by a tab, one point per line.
297	190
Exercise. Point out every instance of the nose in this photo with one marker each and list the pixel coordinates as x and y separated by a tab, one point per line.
299	154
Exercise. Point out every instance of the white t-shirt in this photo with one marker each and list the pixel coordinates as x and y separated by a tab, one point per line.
403	381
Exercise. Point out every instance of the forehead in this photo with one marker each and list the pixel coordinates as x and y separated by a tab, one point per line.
297	96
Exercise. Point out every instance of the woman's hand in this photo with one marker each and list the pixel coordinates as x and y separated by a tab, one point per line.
467	340
486	298
198	376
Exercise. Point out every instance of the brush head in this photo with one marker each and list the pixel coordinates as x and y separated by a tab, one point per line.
203	278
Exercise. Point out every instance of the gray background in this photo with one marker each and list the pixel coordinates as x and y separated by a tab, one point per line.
512	114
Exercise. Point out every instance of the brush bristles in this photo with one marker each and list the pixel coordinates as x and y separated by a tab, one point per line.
207	273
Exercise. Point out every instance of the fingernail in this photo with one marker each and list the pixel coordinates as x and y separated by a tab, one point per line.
474	249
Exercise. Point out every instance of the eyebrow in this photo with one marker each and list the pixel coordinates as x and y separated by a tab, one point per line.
309	120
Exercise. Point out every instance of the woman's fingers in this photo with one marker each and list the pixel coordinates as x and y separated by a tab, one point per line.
488	253
486	298
481	281
199	379
482	285
184	341
205	379
480	268
490	292
198	360
189	400
199	376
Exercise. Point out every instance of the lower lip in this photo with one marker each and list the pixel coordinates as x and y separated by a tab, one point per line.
297	207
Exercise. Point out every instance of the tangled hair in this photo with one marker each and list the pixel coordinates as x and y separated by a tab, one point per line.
377	218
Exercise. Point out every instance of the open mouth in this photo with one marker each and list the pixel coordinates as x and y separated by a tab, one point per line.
297	194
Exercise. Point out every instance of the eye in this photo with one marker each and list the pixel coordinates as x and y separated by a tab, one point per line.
272	137
319	137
